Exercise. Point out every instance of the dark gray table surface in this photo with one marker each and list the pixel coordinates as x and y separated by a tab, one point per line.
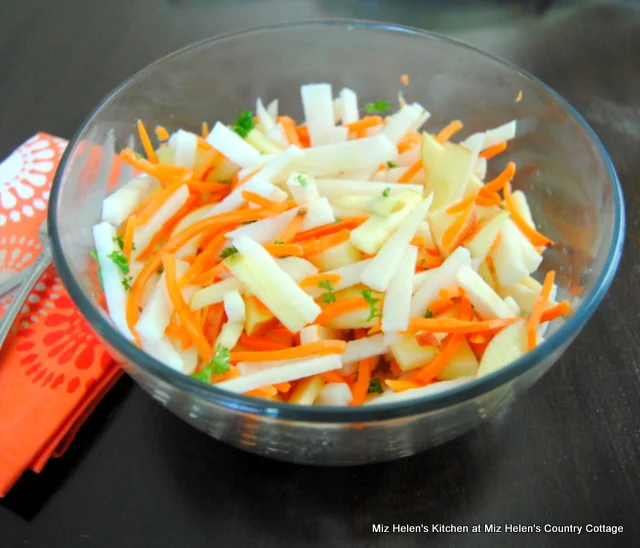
565	453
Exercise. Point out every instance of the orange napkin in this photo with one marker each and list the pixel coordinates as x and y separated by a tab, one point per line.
53	370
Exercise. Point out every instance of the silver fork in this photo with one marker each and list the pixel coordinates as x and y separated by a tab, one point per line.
30	276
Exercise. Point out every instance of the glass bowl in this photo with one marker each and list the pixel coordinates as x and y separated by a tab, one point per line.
570	180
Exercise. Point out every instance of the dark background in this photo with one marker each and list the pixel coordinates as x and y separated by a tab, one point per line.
565	453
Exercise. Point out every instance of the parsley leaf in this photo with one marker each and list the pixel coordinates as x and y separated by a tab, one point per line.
378	106
385	192
328	297
391	164
244	124
303	182
278	242
375	386
94	255
228	251
119	240
126	282
373	311
120	260
219	365
429	313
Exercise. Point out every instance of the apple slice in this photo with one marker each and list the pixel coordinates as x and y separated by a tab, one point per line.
463	364
410	355
258	317
480	243
486	301
514	257
336	257
507	346
431	152
307	390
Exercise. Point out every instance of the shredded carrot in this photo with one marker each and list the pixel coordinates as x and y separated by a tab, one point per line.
176	242
426	260
182	309
160	197
213	322
290	231
411	172
318	348
419	241
161	133
531	233
401	386
282	386
146	142
409	140
555	312
129	228
360	388
456	229
303	135
519	96
177	332
490	152
240	182
534	318
360	126
489	199
405	79
204	259
211	156
166	229
349	224
312	281
255	342
427	339
289	127
500	181
162	172
343	306
462	205
451	292
325	242
284	250
205	130
262	392
331	377
262	201
480	338
441	305
395	368
449	131
452	325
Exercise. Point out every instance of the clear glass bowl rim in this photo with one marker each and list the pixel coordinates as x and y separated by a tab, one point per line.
322	414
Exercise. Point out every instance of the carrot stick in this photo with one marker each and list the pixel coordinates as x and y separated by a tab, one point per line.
289	127
290	231
488	199
411	172
176	242
498	183
205	130
490	152
457	226
182	309
312	281
213	322
262	392
202	187
160	197
555	312
206	257
146	142
282	386
441	305
462	205
262	201
448	131
531	233
331	377
360	126
177	332
405	79
284	250
360	388
339	308
534	319
159	170
261	343
130	226
480	338
401	386
211	156
408	141
452	325
349	223
325	242
318	348
427	339
419	241
161	133
451	292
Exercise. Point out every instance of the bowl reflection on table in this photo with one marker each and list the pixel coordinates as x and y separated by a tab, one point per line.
571	184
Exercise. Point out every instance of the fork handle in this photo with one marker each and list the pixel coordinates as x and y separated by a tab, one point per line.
40	265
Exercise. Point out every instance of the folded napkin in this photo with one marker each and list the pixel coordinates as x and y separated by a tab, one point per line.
53	370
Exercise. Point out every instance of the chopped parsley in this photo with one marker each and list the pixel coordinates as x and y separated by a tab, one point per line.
303	182
429	313
278	242
385	192
126	282
378	106
373	311
391	164
120	261
138	155
117	239
375	387
244	124
220	363
228	251
328	297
